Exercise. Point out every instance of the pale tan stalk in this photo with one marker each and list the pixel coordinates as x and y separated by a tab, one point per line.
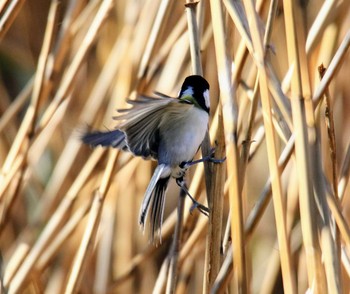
9	16
317	30
307	205
214	176
230	114
16	105
337	61
52	226
87	243
167	46
277	196
177	240
160	17
344	174
70	75
63	234
87	116
215	202
27	126
173	255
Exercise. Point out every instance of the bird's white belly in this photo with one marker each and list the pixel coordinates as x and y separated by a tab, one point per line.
184	136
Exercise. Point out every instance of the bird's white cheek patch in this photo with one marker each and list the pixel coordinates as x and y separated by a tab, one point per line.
206	98
188	92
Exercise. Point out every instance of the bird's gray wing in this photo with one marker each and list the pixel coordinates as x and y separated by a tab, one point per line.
141	122
114	138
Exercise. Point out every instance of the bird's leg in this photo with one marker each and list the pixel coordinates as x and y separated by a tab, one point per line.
181	183
209	158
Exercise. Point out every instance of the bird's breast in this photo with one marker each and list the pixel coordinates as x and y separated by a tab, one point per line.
181	135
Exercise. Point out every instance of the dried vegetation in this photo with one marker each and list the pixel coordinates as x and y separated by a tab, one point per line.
279	217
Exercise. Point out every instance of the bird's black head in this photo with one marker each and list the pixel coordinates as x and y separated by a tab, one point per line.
195	90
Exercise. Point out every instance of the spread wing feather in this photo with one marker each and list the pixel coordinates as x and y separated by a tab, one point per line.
140	123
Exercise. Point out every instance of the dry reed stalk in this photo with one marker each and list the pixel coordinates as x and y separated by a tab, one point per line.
273	268
87	242
307	205
286	264
88	114
62	235
176	246
215	203
9	16
161	15
337	60
71	72
344	175
43	216
331	244
3	5
317	25
16	105
214	176
52	227
105	246
177	238
167	46
20	146
230	126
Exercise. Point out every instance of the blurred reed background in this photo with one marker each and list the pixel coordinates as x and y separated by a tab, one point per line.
279	204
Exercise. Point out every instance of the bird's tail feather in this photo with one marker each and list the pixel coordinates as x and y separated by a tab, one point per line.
115	138
148	194
157	209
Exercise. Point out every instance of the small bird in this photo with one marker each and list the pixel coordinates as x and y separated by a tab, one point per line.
165	129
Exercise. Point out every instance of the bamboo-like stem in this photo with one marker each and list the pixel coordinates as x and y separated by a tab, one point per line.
196	63
252	220
319	23
283	240
273	268
344	174
27	125
152	38
254	104
167	46
63	234
21	144
88	114
331	245
239	19
307	204
215	202
175	250
87	242
76	63
337	60
214	175
341	222
16	105
230	114
52	226
9	16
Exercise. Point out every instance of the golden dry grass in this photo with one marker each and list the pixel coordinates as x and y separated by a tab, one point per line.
279	204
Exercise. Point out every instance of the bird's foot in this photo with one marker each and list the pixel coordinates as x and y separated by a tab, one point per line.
208	158
203	209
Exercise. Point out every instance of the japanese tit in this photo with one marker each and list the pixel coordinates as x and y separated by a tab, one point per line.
165	129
